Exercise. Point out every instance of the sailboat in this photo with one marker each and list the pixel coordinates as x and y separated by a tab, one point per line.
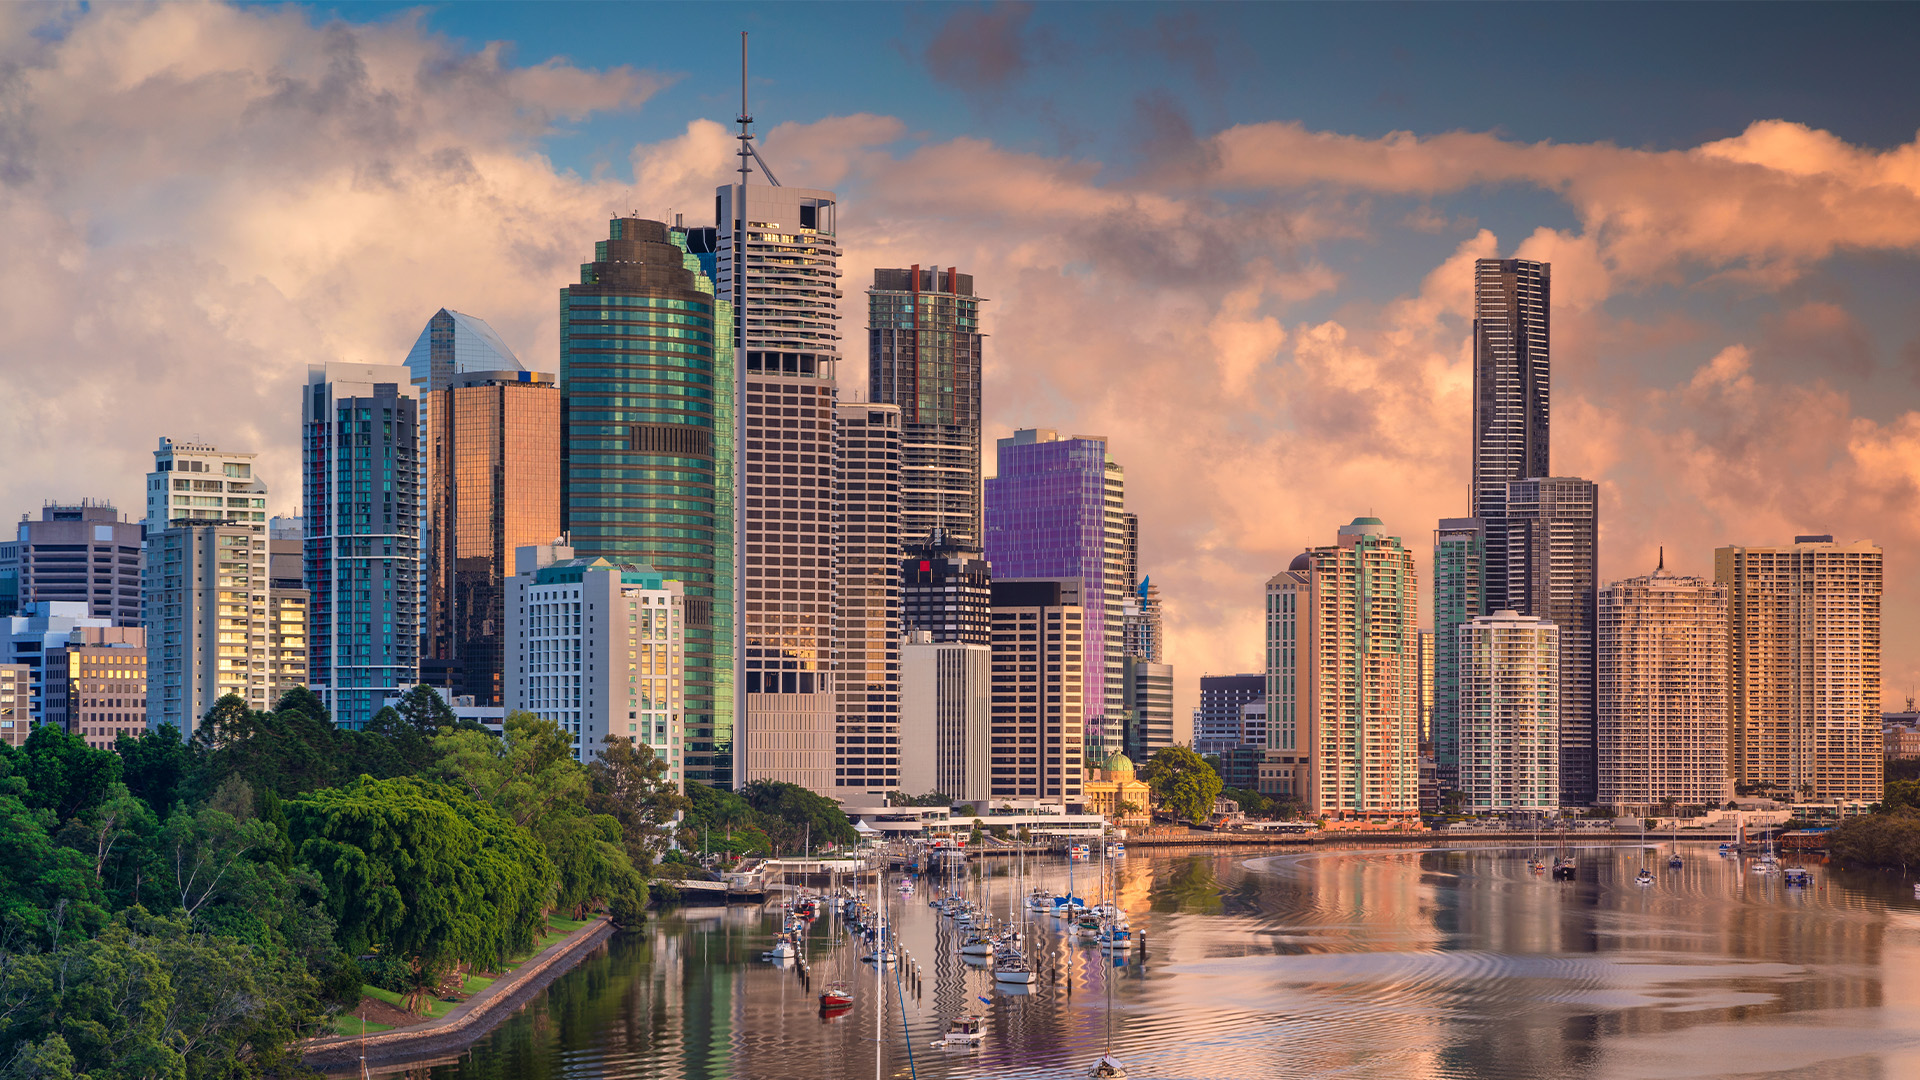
1534	862
1645	876
1564	866
1108	1067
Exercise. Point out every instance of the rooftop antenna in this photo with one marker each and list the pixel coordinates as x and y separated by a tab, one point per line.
1663	558
746	126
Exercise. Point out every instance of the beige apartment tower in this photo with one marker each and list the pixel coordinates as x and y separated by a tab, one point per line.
1038	683
1661	645
1803	645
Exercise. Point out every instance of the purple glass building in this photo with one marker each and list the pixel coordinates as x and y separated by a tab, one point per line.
1056	510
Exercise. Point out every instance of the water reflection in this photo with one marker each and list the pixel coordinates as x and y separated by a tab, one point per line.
1331	963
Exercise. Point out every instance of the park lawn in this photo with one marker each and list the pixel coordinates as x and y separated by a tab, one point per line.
349	1025
436	1008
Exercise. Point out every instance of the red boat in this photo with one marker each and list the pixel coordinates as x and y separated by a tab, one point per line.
838	995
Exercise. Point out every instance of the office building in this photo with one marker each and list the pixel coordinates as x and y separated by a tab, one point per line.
1509	715
1426	693
1342	623
361	504
1040	645
777	261
1459	596
210	621
1056	510
83	552
946	590
1512	307
1253	724
286	616
1803	645
493	485
924	355
96	684
200	483
647	446
31	634
866	513
597	647
1148	689
16	703
945	723
454	344
1660	666
1553	557
1216	723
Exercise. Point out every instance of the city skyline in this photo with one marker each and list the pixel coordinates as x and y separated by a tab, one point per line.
1710	380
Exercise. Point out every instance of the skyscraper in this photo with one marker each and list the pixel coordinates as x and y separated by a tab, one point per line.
200	482
945	725
493	485
1055	510
1553	558
1660	670
361	450
1217	722
1512	305
455	344
208	620
1148	678
286	616
1509	714
82	552
646	445
1804	668
866	511
924	355
1036	745
1459	595
945	590
777	259
1348	676
1290	632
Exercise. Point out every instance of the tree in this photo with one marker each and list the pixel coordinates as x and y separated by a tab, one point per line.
1183	782
423	871
799	815
628	783
156	766
64	774
428	712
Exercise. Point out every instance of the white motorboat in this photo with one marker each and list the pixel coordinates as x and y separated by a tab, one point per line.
964	1033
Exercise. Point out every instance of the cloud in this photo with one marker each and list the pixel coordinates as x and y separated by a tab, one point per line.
981	50
198	201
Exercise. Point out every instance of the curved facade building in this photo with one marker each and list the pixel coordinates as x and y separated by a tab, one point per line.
646	410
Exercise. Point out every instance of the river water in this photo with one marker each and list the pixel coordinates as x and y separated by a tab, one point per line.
1455	963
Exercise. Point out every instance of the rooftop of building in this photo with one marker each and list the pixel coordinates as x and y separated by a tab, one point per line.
570	571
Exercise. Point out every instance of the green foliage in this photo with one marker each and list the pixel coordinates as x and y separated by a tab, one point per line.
1252	803
931	798
1880	840
423	871
1900	794
64	774
156	766
629	784
794	817
722	821
1183	782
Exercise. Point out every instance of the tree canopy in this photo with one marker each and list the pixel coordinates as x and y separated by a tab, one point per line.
1182	782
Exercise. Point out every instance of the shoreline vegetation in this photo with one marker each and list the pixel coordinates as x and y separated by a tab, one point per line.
201	907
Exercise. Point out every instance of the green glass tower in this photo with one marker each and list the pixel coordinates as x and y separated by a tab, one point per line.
646	446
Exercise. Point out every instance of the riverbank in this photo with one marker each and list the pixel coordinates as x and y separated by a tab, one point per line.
460	1024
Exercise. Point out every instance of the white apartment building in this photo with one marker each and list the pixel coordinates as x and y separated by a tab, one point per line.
199	482
1509	714
209	623
598	648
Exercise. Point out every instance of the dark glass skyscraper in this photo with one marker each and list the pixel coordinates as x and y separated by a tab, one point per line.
923	350
1512	302
646	373
1553	555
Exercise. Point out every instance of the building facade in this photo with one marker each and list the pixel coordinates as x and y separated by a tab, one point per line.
1512	375
16	703
1036	745
286	616
777	260
1660	647
77	553
866	510
199	482
1286	772
1459	597
945	722
598	647
1553	559
1354	677
1148	689
1056	510
1509	715
924	355
647	448
210	621
493	486
362	502
454	344
1217	720
946	591
1803	646
31	634
96	684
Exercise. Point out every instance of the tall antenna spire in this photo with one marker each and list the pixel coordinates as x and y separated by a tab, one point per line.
748	154
1663	558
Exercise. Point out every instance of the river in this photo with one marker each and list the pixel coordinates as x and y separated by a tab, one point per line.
1417	964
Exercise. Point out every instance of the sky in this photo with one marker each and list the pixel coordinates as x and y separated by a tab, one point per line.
1235	239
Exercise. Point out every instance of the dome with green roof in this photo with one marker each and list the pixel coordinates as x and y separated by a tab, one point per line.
1119	764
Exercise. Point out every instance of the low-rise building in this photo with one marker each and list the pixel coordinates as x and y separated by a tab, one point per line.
1113	792
16	695
96	684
